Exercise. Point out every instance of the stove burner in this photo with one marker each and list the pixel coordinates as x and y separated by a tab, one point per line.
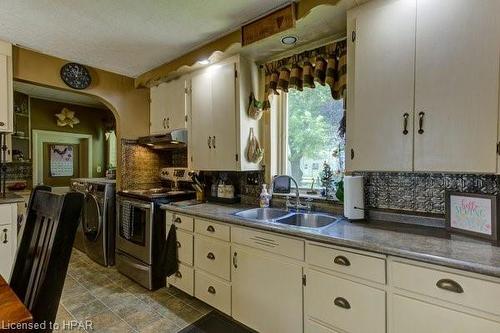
156	192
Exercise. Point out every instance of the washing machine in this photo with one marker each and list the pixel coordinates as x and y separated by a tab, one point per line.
98	220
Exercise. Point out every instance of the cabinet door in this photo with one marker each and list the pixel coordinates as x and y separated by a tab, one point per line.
224	117
456	85
201	121
266	292
175	104
383	87
413	316
5	113
6	250
157	110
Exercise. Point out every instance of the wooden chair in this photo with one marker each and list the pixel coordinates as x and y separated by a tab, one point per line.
44	251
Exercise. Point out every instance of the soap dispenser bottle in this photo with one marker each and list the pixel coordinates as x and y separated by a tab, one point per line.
264	197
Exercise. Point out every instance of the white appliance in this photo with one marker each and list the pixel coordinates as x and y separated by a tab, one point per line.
354	200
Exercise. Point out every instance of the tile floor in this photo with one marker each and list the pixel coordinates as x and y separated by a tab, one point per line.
115	303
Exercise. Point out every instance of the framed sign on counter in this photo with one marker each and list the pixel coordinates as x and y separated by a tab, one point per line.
473	214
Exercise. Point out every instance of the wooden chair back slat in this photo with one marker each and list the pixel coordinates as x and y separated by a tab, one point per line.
45	250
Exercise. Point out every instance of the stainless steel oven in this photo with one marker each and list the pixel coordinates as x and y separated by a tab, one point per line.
135	228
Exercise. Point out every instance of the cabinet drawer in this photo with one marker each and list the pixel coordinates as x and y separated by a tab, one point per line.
313	327
285	246
413	316
7	250
346	305
185	247
209	228
213	256
184	222
362	266
183	279
169	217
213	291
6	214
475	293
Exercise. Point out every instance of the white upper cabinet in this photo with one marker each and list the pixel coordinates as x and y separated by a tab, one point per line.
6	88
168	108
456	85
436	62
384	48
220	126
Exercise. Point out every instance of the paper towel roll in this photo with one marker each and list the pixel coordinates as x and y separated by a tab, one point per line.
354	199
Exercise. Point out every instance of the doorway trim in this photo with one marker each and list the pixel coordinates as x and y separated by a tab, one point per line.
42	136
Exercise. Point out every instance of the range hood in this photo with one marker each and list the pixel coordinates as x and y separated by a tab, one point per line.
176	139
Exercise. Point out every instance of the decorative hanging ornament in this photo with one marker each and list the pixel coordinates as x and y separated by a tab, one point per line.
67	118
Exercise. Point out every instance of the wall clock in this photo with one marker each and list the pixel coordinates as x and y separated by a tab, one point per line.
75	75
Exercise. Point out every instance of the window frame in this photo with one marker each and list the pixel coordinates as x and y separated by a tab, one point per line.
282	158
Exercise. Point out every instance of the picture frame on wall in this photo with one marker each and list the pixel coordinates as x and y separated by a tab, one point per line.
473	214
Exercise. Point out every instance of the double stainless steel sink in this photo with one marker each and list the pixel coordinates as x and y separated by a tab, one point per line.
274	215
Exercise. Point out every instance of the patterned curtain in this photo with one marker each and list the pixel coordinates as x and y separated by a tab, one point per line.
324	65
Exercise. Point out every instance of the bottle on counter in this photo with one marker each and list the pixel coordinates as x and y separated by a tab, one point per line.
264	198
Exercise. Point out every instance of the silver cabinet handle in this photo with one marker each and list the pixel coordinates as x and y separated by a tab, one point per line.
211	290
208	142
421	122
213	141
5	239
178	275
2	123
235	260
450	285
164	123
210	228
211	256
168	122
179	244
342	261
178	220
341	302
405	123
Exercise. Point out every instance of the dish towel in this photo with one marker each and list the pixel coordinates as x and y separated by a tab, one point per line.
170	254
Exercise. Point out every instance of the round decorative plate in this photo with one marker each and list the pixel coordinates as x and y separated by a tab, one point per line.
75	75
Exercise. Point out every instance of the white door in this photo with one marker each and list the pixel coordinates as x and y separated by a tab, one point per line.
175	105
456	85
201	150
157	109
413	316
224	117
266	292
4	94
6	250
383	88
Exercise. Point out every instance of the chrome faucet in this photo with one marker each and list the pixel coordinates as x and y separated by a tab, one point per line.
297	205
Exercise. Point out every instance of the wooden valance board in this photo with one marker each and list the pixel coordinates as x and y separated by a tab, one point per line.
271	24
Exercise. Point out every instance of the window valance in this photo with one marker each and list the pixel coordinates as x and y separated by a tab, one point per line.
324	65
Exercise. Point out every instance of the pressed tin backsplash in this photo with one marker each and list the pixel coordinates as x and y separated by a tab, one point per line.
421	192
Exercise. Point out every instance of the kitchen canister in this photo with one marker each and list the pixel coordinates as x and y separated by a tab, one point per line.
354	200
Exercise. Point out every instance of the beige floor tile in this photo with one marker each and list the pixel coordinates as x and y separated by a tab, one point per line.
163	325
83	312
78	300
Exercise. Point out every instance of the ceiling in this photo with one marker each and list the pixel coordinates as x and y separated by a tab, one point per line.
57	95
127	37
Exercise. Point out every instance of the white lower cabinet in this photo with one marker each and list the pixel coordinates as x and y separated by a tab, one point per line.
213	291
314	327
183	279
347	305
8	238
415	316
266	291
274	283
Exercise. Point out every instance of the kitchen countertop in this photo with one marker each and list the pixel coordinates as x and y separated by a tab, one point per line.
10	198
423	243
